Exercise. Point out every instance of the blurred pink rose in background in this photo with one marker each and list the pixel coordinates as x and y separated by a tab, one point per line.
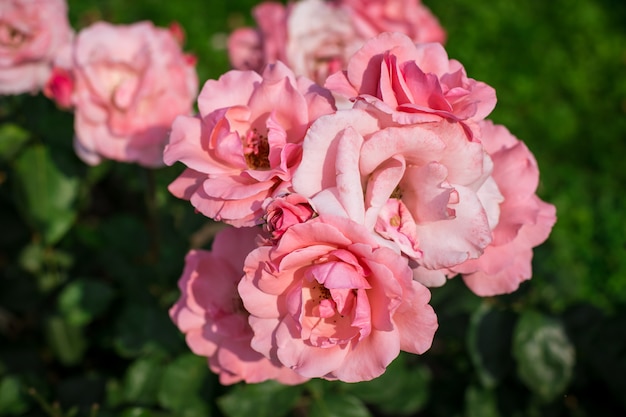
409	17
525	220
130	83
246	142
328	301
316	38
31	34
211	314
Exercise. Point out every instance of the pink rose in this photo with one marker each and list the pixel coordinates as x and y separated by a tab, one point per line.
211	314
31	33
130	82
525	221
424	188
285	211
60	87
327	301
412	83
252	49
246	142
410	17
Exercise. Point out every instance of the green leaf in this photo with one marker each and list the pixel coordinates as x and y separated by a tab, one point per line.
180	389
489	343
83	300
46	194
402	390
545	357
66	340
11	399
143	328
480	402
267	399
142	380
338	405
12	139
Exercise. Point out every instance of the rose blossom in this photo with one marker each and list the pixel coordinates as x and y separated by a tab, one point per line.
130	82
246	142
425	188
525	221
31	33
210	313
328	301
410	17
412	83
285	211
252	49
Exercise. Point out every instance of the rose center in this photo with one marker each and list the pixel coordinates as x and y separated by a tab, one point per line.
10	36
256	150
397	193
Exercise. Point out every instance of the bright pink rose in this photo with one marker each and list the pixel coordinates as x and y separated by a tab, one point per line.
424	188
211	314
285	211
525	221
246	142
31	33
410	17
60	87
130	83
327	301
412	83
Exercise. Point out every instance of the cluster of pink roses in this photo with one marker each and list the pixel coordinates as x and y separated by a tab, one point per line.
125	83
345	131
362	208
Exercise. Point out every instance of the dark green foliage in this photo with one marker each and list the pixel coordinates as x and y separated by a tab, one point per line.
90	256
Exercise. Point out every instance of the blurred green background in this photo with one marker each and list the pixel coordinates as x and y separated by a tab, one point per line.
90	257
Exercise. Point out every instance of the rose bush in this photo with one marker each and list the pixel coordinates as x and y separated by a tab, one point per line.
210	313
246	141
31	34
129	84
328	301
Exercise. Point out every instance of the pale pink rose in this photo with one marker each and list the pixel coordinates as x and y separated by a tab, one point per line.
245	50
130	82
31	33
327	301
246	142
321	39
353	165
412	83
211	314
410	17
524	222
284	211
